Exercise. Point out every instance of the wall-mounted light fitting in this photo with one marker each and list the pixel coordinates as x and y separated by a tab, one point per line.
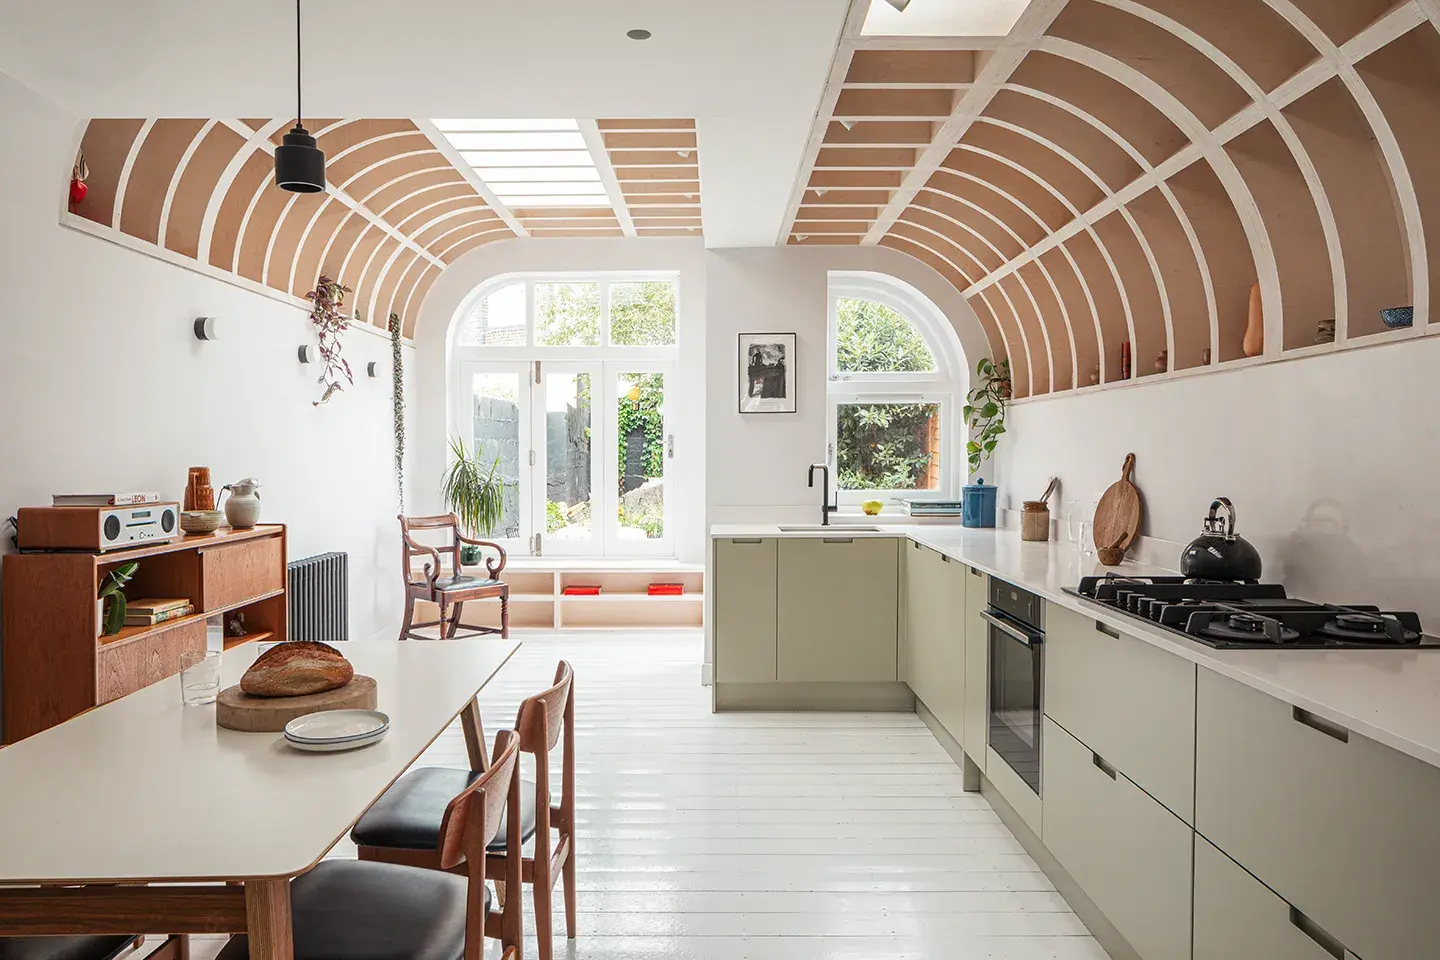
308	352
207	328
640	33
372	369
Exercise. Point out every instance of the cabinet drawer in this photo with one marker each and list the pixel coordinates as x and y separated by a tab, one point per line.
235	572
744	611
1128	853
1129	701
1338	825
1238	916
123	669
838	609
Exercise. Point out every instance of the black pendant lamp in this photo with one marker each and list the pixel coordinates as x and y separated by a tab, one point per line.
299	164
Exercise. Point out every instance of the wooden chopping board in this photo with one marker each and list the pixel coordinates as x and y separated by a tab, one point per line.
237	710
1117	518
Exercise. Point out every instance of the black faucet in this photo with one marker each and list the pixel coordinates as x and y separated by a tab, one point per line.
826	507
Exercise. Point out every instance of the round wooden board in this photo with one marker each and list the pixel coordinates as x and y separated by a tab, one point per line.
1117	518
240	711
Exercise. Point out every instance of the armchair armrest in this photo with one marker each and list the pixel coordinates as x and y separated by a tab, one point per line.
490	564
432	573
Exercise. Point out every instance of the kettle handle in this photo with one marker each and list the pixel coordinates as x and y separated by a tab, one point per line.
1212	521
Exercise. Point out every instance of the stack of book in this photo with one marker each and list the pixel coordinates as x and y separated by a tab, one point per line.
102	499
934	508
150	611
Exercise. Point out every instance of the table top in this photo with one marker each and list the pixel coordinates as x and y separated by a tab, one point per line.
144	788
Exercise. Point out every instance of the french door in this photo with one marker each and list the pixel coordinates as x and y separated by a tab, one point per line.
583	448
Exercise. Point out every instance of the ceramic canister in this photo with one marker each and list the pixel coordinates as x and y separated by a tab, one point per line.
977	505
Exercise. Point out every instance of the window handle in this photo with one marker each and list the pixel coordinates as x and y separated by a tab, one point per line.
670	446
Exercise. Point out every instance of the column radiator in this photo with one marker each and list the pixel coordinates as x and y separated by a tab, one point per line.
319	592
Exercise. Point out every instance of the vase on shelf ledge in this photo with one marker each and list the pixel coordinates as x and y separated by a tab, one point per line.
1254	343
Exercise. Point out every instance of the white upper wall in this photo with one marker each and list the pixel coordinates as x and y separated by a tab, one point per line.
104	386
750	72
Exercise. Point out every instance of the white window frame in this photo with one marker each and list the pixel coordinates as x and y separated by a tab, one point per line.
945	386
605	361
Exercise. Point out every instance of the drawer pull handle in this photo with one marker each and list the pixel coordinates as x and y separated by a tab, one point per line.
1100	764
975	572
1327	727
1107	630
747	540
944	558
1317	933
838	540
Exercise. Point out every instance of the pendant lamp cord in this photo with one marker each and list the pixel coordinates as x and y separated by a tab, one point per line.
299	109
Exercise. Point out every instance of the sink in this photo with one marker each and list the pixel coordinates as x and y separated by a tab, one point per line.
821	528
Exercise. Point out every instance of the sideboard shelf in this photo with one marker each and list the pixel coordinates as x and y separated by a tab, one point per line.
55	665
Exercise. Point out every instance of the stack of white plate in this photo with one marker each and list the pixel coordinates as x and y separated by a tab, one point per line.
337	730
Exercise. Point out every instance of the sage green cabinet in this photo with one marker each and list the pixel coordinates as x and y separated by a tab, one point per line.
1129	701
744	610
1238	916
933	633
977	668
837	609
1129	854
1338	825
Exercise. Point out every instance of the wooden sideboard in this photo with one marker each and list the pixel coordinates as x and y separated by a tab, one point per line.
55	665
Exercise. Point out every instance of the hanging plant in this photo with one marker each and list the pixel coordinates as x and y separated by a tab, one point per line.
328	315
397	373
985	410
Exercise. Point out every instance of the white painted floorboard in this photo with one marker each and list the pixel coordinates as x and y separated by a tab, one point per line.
757	836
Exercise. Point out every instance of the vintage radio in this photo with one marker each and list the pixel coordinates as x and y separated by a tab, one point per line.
96	529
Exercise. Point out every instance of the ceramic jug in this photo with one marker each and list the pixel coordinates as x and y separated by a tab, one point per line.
242	509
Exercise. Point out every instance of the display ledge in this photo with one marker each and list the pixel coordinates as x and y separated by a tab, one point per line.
131	634
1389	696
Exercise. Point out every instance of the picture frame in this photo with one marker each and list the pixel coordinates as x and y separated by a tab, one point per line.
766	363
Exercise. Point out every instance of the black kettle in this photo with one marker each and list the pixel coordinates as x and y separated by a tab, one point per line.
1218	553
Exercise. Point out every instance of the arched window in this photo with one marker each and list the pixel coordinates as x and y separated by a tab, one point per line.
561	380
895	371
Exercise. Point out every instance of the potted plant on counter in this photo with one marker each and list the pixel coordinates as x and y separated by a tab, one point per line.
476	492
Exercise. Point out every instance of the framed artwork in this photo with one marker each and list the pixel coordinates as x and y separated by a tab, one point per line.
767	372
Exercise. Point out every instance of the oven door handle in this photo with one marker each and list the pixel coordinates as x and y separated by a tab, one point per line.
1028	637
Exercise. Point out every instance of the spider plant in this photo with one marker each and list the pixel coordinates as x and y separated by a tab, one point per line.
475	490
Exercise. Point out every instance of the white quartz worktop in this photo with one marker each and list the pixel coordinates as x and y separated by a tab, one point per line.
1391	696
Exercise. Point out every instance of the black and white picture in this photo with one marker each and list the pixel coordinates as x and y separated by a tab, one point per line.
767	373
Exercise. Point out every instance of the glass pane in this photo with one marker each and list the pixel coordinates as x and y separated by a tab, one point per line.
496	435
567	455
567	314
871	338
888	446
642	455
496	321
643	314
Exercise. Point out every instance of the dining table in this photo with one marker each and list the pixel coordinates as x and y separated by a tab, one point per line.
144	816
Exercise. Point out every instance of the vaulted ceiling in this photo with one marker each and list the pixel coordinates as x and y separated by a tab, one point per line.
401	205
1123	173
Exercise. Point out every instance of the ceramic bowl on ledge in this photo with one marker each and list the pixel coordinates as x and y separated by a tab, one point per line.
201	521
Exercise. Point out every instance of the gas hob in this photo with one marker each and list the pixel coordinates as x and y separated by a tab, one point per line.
1254	616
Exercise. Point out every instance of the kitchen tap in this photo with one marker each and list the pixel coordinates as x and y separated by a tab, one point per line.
826	507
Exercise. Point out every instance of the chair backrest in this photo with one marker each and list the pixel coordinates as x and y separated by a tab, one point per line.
472	819
543	717
411	547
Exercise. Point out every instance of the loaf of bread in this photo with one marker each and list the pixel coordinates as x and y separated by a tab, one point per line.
296	668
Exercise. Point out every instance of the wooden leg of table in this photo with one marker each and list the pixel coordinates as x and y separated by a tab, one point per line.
474	735
267	920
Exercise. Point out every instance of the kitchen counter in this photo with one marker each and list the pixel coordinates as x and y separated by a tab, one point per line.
1390	696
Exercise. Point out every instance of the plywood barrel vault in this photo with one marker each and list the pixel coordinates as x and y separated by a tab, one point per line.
1127	170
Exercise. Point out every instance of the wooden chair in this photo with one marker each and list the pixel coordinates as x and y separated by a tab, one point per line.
366	911
402	825
456	589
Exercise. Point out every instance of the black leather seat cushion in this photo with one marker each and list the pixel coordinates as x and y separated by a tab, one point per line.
62	948
354	910
408	815
464	583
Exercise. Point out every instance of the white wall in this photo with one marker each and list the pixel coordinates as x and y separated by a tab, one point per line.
103	385
756	466
1331	462
685	402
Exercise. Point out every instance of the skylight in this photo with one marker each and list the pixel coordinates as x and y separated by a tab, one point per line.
529	163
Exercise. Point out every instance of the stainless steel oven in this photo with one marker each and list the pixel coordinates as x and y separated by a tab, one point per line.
1016	621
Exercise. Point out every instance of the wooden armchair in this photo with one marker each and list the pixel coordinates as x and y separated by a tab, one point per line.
449	593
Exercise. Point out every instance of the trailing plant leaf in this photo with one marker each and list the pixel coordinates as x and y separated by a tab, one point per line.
985	410
330	320
397	374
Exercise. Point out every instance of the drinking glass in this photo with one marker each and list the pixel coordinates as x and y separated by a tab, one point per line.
199	677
